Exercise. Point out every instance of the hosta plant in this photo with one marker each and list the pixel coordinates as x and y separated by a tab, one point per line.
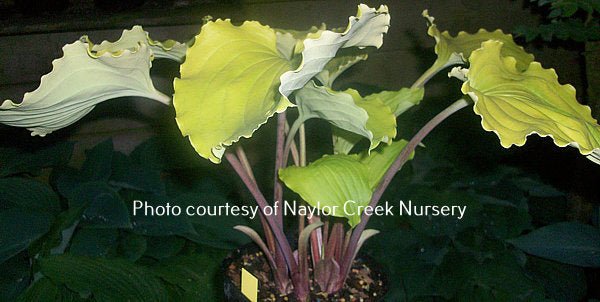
236	78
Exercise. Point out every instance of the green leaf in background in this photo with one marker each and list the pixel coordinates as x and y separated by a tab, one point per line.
227	87
105	208
164	246
349	111
13	161
130	39
149	225
106	280
195	275
128	174
366	29
562	282
45	290
566	242
456	50
19	228
397	101
29	194
213	231
98	162
514	104
15	277
94	242
132	246
71	90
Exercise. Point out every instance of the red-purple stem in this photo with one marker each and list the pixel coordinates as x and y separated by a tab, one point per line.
277	230
387	178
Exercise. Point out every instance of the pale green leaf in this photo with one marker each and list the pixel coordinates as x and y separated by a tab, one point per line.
228	85
131	39
72	89
452	50
515	104
398	102
366	29
331	181
349	111
337	66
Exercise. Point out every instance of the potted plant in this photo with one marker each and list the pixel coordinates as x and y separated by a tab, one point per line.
234	79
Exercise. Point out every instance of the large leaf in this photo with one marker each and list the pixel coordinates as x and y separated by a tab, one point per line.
130	39
397	102
71	89
94	242
349	111
515	104
44	289
28	194
15	277
566	242
104	208
194	275
19	228
107	280
13	161
332	181
456	50
228	83
366	29
342	182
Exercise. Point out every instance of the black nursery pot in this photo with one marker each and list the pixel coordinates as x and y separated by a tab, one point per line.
233	293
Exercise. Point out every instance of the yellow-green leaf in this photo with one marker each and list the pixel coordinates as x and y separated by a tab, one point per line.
514	103
333	181
366	29
380	159
397	101
71	90
456	50
400	100
342	182
228	85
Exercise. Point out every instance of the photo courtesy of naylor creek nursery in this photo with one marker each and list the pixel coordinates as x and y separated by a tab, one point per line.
298	150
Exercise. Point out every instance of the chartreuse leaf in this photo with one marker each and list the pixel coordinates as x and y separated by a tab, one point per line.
342	182
106	280
366	29
331	181
380	159
71	89
400	100
397	101
131	39
349	111
515	104
228	85
455	50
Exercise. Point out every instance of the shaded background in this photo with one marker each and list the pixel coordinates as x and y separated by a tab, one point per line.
459	154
